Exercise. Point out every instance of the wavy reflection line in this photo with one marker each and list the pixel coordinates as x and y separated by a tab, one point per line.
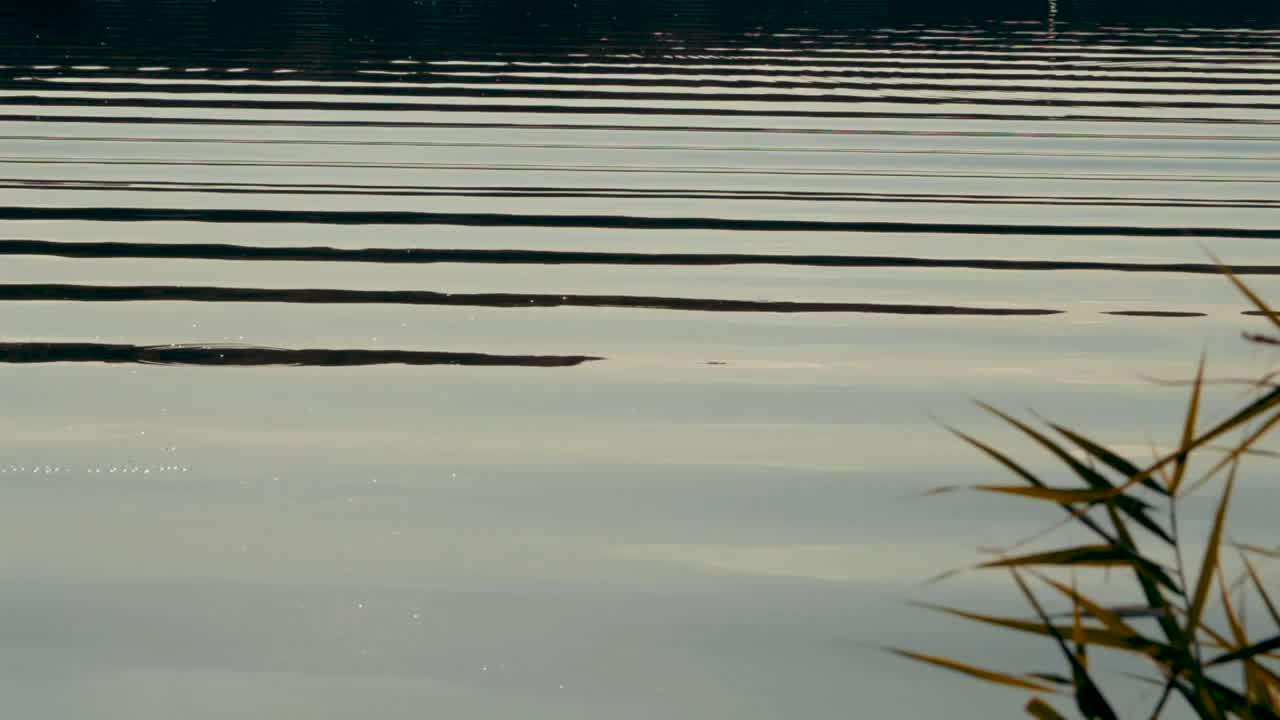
612	147
252	356
652	170
912	133
372	123
576	87
1256	60
473	96
612	222
733	129
889	64
1156	313
224	251
472	191
1053	111
683	75
125	293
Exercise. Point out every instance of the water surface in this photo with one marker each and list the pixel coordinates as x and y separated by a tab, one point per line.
577	363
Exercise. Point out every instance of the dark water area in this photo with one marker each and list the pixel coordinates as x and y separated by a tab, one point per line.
584	359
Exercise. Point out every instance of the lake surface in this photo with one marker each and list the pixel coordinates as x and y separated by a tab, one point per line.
470	361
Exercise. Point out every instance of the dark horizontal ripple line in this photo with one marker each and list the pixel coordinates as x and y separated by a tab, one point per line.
213	251
248	356
886	98
893	60
941	152
617	222
113	293
267	188
652	170
270	122
1156	313
887	59
676	75
509	126
582	86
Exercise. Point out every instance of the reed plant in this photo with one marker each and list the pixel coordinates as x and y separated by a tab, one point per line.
1188	624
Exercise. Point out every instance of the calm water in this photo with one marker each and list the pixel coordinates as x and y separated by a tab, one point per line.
465	361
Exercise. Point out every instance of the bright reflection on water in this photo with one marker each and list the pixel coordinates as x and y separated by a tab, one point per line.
449	359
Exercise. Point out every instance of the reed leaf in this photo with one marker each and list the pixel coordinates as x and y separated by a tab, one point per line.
1094	555
1209	564
999	457
1248	292
1128	642
1273	680
1063	496
1117	463
1232	701
990	676
1264	403
1150	585
1234	454
1089	699
1054	678
1077	634
1129	505
1109	618
1258	648
1091	556
1042	710
1266	552
1017	469
1255	682
1261	589
1188	429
